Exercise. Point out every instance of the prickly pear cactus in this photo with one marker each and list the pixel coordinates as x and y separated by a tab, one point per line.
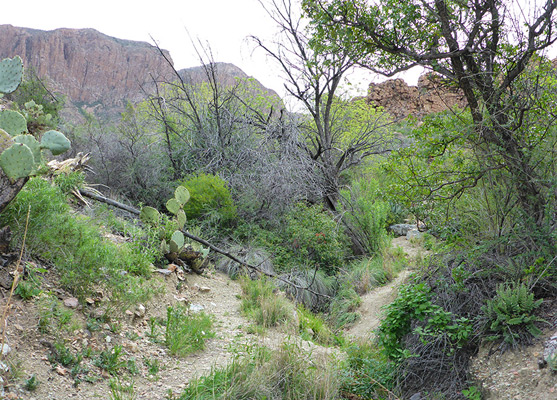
13	122
56	142
34	146
21	155
176	249
11	72
17	161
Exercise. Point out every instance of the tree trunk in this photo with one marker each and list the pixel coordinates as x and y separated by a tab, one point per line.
9	190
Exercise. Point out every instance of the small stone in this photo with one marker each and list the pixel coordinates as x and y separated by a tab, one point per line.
133	347
204	289
71	302
172	267
129	312
90	301
6	349
108	339
140	311
18	327
195	308
164	271
61	370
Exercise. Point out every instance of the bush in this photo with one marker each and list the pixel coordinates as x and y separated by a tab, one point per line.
75	245
210	199
369	374
186	332
315	238
510	314
367	213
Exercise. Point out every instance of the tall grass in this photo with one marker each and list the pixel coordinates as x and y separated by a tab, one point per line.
288	373
263	305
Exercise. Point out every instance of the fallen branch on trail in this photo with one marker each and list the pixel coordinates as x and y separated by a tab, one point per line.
135	211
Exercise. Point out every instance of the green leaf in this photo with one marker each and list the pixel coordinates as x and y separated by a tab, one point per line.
178	238
181	217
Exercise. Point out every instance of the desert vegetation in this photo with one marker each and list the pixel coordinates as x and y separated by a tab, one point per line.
297	205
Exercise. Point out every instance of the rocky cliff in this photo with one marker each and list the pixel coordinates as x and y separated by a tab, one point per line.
92	69
401	100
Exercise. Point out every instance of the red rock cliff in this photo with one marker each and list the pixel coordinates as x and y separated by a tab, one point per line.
89	67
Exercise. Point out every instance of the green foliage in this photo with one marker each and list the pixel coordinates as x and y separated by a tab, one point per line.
367	213
413	304
31	384
69	182
315	238
110	360
210	199
75	245
510	314
186	332
53	316
288	373
313	327
368	373
343	308
121	390
261	303
62	354
472	393
30	286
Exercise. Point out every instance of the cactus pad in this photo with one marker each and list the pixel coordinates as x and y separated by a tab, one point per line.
12	122
178	238
173	206
56	142
181	219
11	72
150	215
5	140
17	161
182	195
31	142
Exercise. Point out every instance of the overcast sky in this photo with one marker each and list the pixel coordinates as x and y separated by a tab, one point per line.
224	24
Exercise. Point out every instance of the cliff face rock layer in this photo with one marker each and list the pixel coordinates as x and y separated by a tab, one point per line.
401	100
90	68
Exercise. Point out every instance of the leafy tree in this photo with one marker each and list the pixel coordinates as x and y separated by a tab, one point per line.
486	49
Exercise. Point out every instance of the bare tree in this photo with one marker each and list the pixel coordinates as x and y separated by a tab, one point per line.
313	76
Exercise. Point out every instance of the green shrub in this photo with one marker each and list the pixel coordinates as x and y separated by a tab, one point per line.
110	360
413	312
510	314
315	238
313	327
186	332
367	213
75	245
343	308
210	199
369	374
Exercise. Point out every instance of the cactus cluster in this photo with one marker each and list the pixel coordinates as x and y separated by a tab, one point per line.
177	245
20	153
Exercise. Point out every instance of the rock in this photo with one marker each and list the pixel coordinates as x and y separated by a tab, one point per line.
413	234
204	289
61	370
71	302
402	229
550	348
6	349
401	100
195	308
140	311
164	271
86	65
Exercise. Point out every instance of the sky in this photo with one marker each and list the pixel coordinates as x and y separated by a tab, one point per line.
224	24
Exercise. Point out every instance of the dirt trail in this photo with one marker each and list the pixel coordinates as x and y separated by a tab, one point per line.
375	300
